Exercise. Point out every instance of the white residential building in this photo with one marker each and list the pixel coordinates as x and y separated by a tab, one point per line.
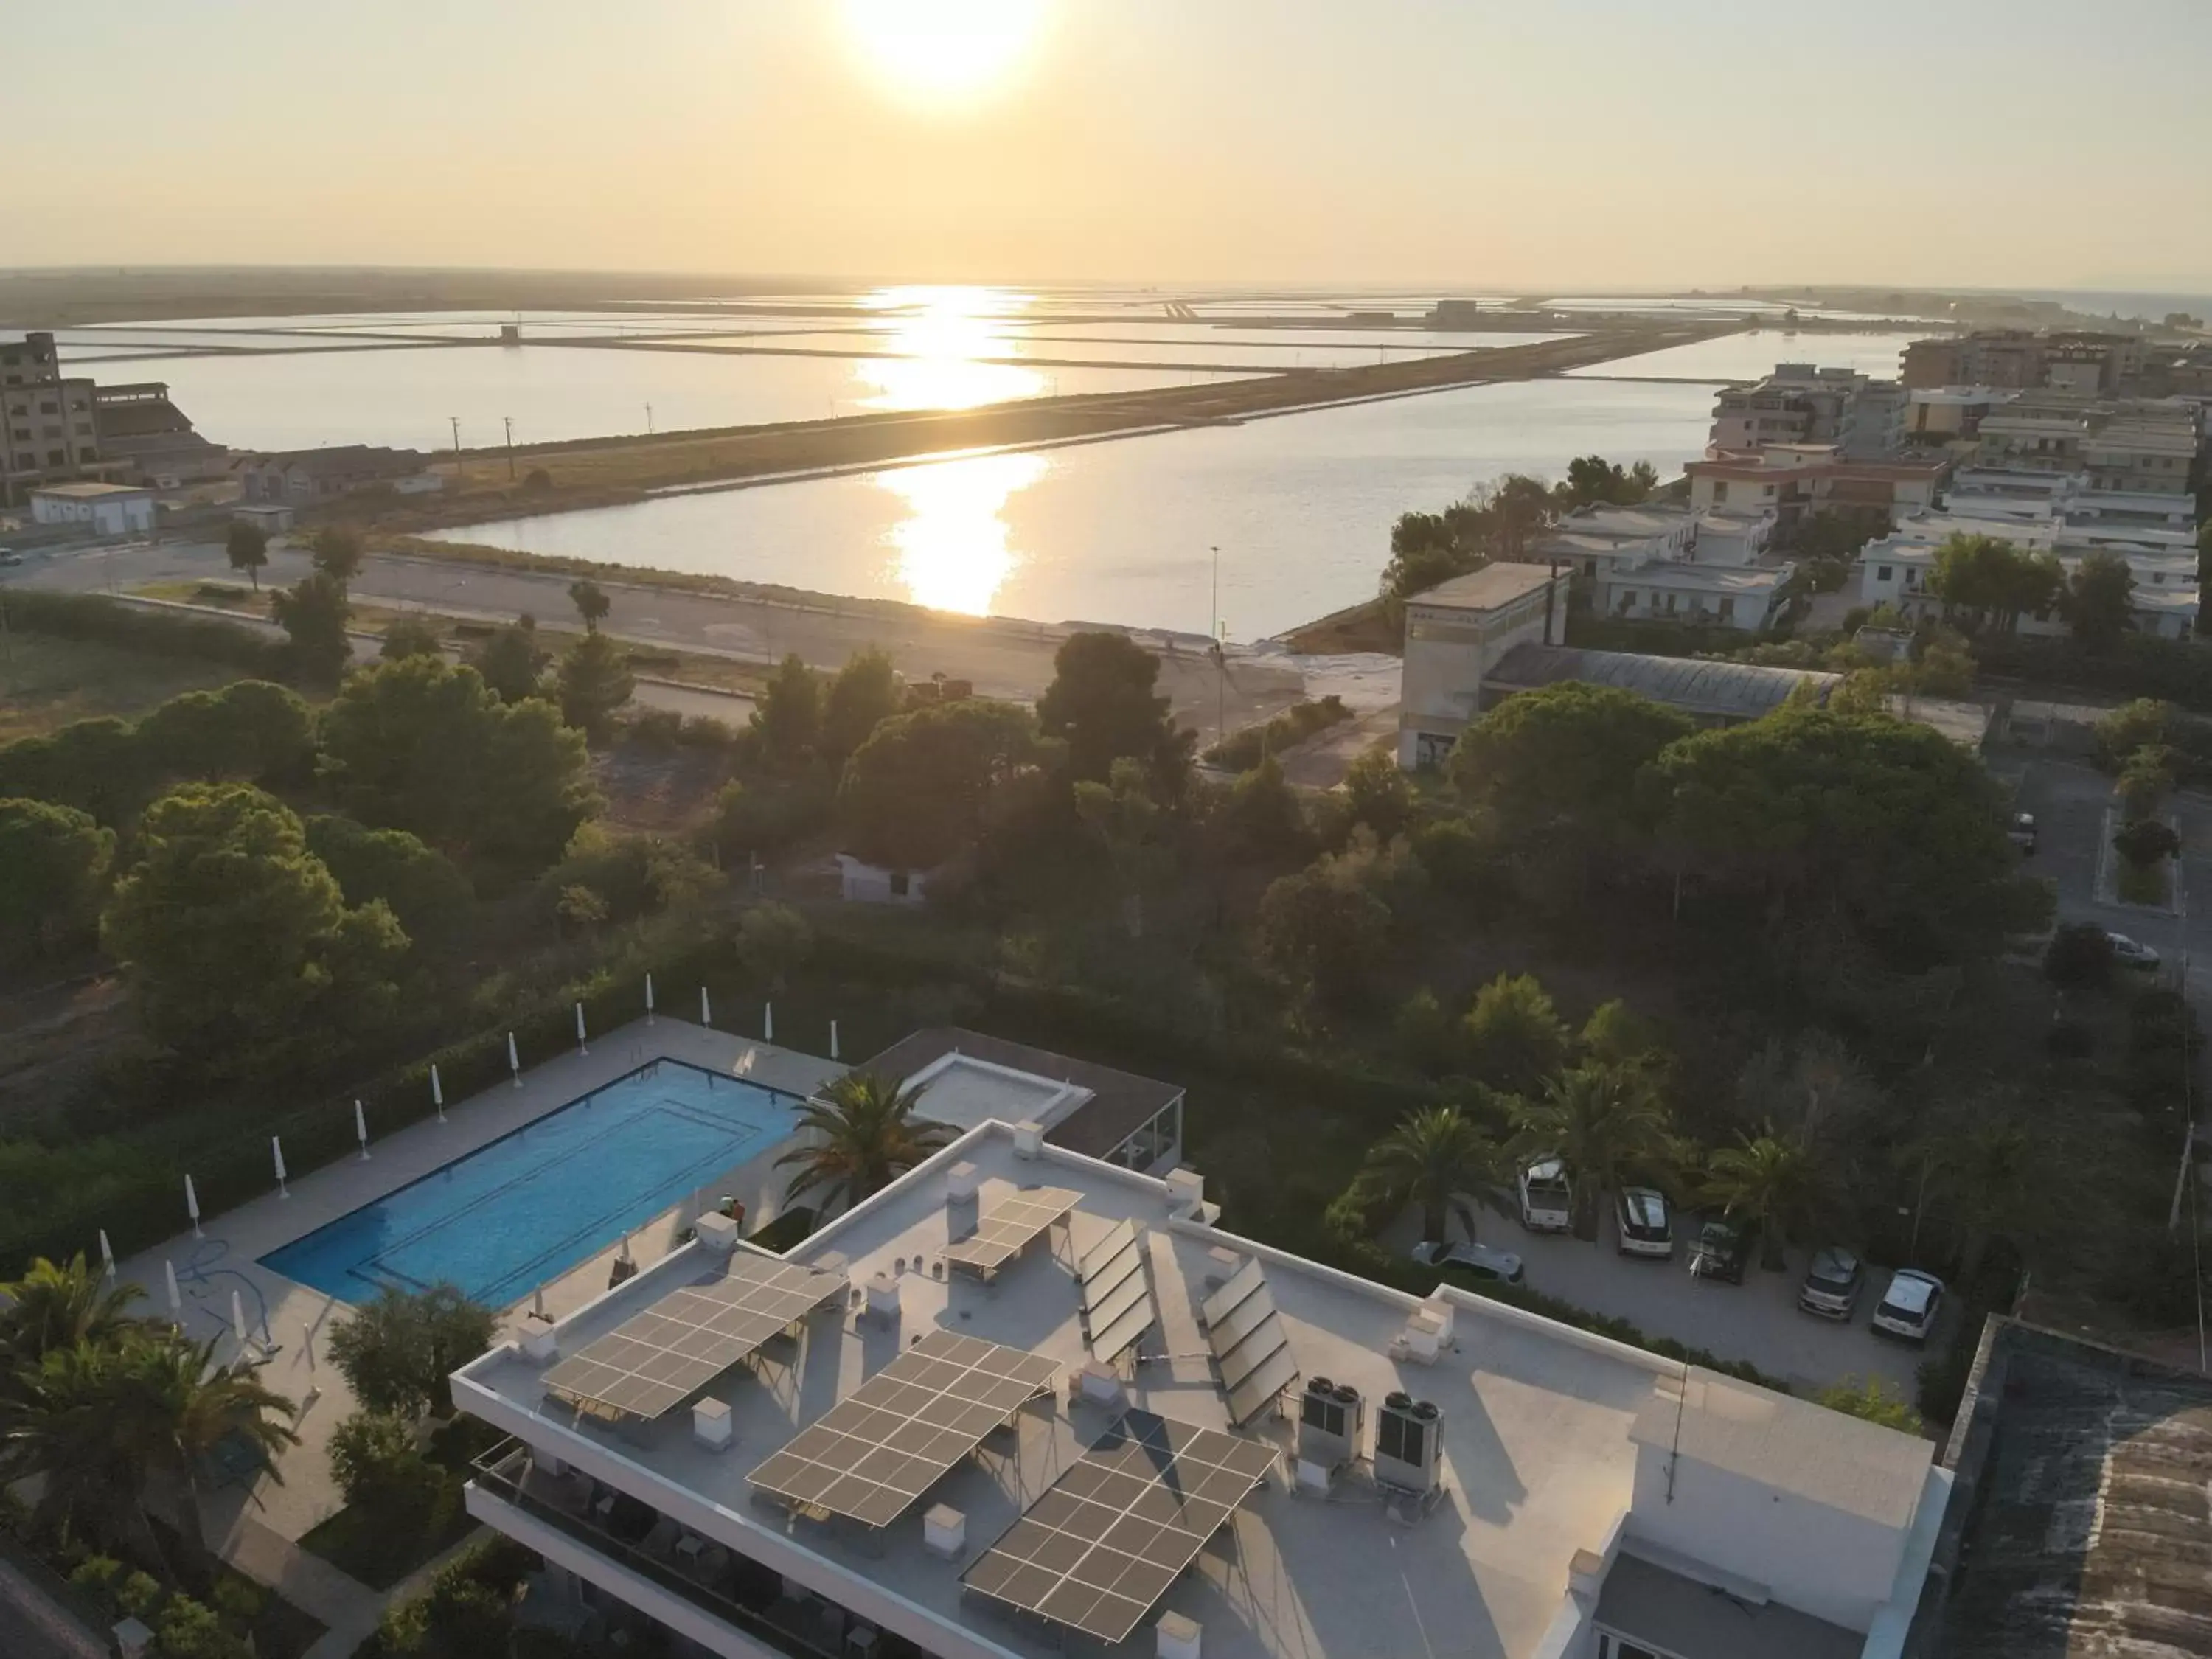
1726	596
1897	569
104	509
1024	1402
1671	564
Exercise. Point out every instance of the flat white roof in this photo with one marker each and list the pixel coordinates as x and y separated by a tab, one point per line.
1487	589
1830	1458
1705	578
1538	1430
85	492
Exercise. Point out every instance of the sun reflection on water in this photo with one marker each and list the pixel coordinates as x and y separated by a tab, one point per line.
953	550
939	335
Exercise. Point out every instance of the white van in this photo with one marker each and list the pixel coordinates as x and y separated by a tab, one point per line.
1547	1197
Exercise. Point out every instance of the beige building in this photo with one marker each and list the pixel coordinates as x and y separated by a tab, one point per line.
1455	633
49	431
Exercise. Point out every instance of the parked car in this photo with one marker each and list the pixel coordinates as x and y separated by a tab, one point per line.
1645	1228
2021	833
11	558
1909	1306
1547	1197
1720	1249
1832	1284
2130	954
1478	1259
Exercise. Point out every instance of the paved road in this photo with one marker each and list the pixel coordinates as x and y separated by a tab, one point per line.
1000	660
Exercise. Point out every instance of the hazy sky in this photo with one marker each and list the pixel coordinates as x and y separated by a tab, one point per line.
1541	143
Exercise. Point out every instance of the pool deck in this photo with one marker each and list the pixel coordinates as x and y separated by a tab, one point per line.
299	1316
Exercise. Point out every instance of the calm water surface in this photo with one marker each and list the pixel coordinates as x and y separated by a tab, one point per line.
1120	532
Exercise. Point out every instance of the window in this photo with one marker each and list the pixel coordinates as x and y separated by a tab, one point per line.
1610	1646
47	406
58	457
1720	490
1727	610
902	883
1881	572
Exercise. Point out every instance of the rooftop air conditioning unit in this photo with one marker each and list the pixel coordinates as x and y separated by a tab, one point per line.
1408	1444
1329	1421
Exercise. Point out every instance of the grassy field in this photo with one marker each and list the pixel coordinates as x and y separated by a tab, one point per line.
47	683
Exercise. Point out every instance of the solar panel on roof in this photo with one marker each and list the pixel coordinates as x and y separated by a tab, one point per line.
1116	1293
1006	1229
1239	1285
1253	1311
654	1360
877	1451
1106	1542
1256	1392
1250	1354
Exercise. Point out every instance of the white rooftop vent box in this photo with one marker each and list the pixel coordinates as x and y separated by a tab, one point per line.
1098	1384
717	1231
1330	1418
538	1345
1028	1138
1408	1444
1178	1636
945	1531
1186	1191
883	1294
962	1181
711	1426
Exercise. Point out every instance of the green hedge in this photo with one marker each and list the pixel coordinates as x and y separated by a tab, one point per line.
166	633
1243	748
2174	670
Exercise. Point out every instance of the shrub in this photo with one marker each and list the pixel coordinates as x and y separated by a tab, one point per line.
656	728
377	1464
1872	1399
1241	749
2079	957
705	732
168	632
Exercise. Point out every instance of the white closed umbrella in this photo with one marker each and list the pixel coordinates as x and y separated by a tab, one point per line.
767	1021
107	1254
192	1206
437	1093
648	999
238	1317
833	1039
277	1151
580	1047
176	1297
361	1129
514	1060
706	1014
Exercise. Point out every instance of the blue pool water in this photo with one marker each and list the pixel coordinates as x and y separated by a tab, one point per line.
532	1205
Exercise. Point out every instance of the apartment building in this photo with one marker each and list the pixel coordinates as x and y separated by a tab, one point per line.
302	477
1898	569
49	431
1940	415
1802	403
1454	634
1024	1402
1792	480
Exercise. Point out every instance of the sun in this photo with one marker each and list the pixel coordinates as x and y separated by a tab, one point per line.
945	52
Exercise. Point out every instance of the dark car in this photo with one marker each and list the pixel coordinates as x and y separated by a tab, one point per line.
2021	833
1719	1253
1832	1284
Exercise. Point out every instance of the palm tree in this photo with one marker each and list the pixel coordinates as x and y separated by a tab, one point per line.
56	1306
1606	1123
1437	1158
1996	1174
1774	1184
99	1421
863	1134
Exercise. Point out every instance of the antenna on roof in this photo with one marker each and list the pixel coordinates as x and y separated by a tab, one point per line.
1675	1451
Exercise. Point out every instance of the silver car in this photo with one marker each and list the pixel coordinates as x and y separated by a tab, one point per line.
1832	1284
1478	1259
1641	1218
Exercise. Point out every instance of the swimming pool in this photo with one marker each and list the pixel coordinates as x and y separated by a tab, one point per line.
530	1206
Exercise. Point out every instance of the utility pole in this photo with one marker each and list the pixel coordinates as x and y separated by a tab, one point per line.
1220	659
509	419
456	420
649	419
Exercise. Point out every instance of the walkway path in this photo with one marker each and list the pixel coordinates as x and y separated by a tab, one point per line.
348	1609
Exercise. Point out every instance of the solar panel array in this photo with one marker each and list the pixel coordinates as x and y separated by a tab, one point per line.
1007	1227
1102	1547
654	1360
1250	1344
888	1442
1116	1292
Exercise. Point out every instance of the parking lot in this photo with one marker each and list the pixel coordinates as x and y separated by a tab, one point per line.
1756	1320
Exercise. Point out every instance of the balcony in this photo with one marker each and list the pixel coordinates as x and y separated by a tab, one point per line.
738	1592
